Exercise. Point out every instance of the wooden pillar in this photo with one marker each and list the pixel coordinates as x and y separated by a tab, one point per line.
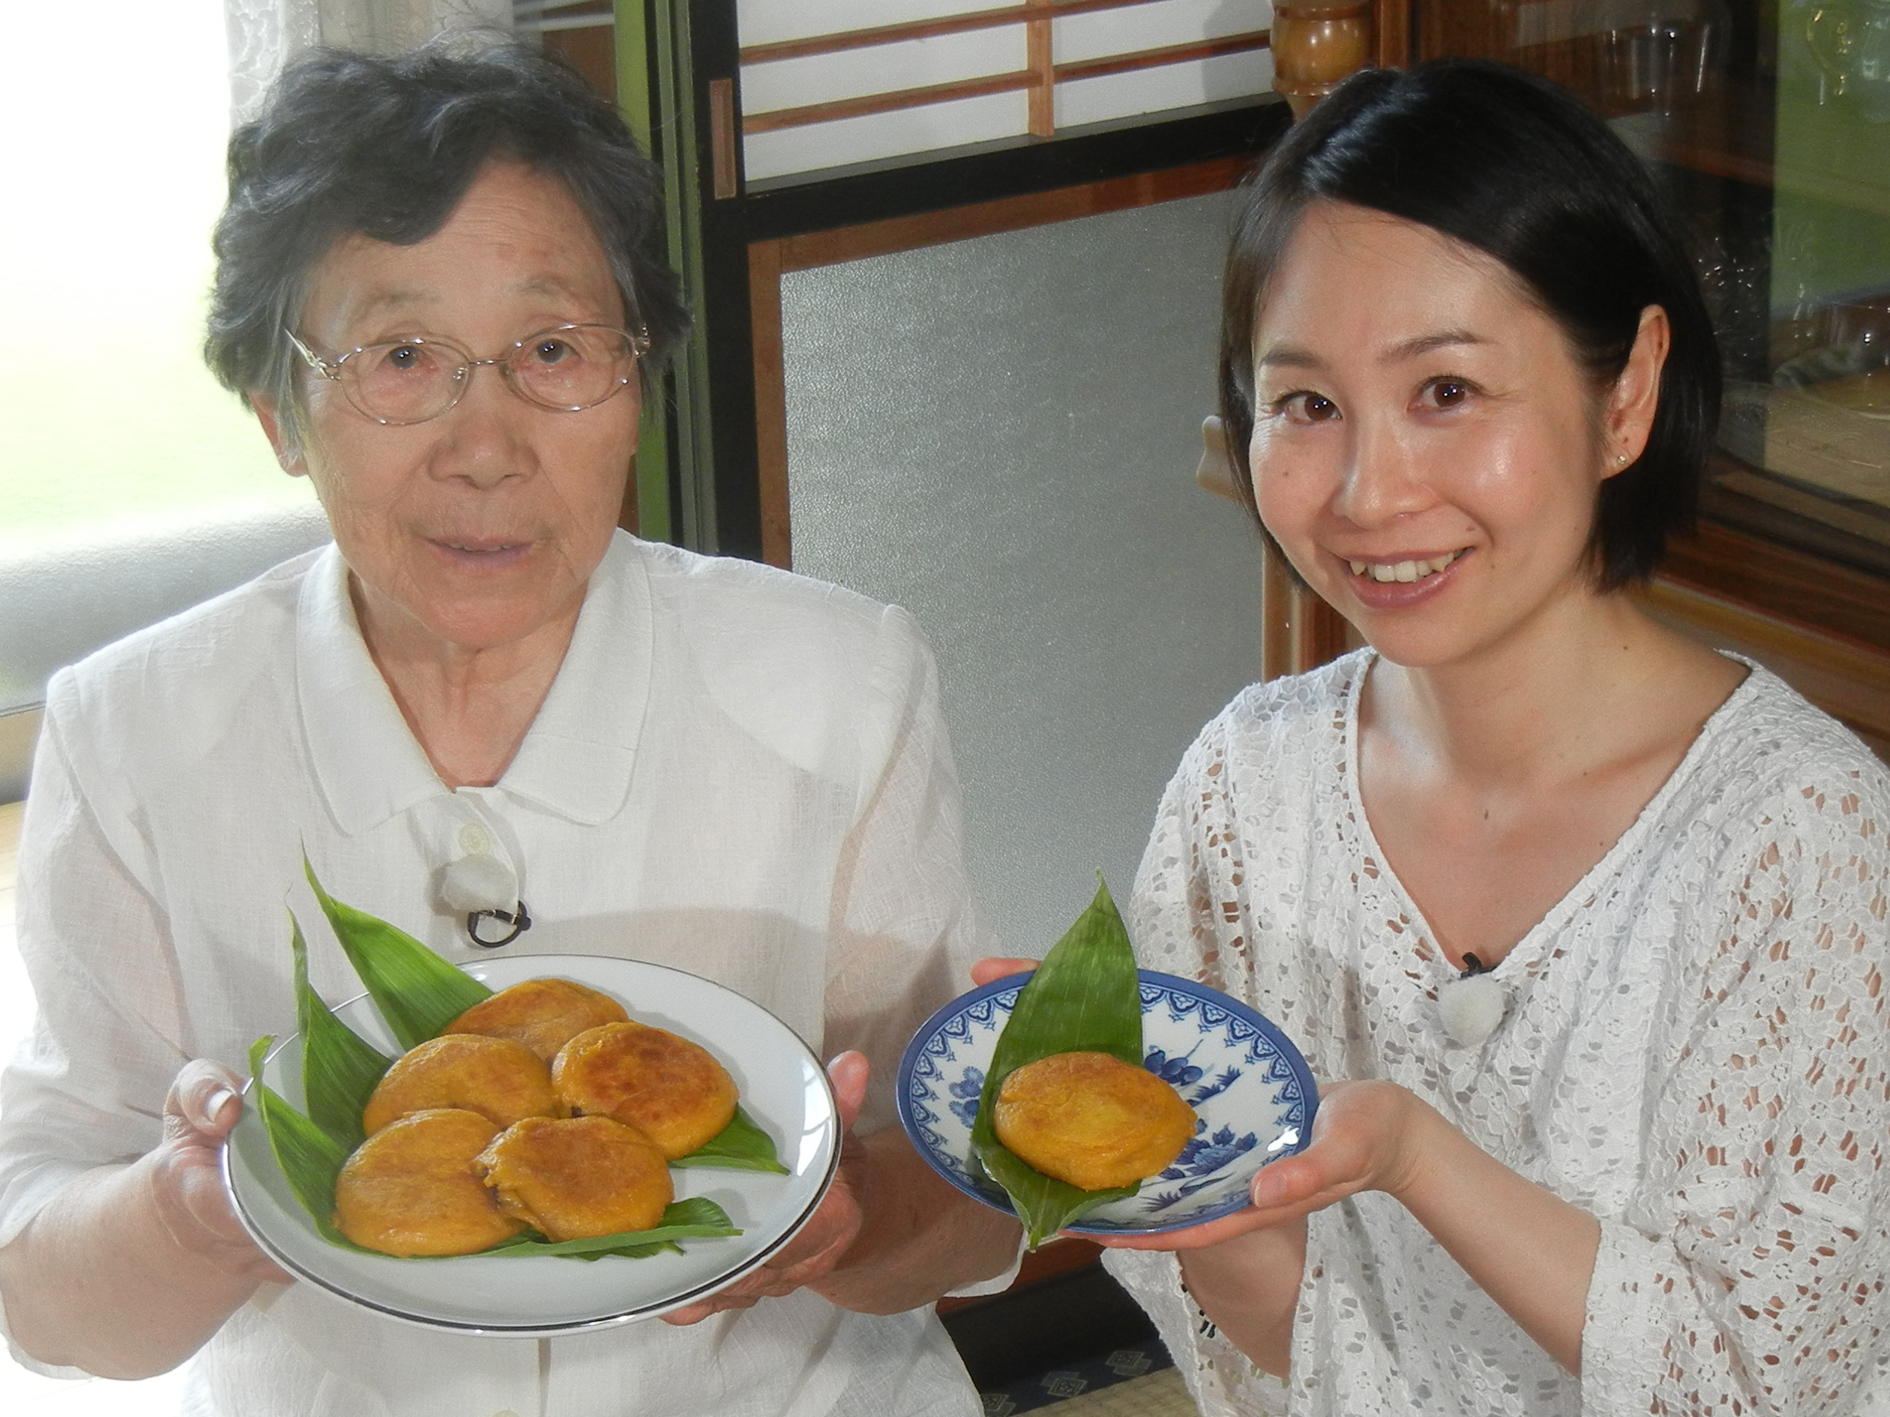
1299	631
1316	44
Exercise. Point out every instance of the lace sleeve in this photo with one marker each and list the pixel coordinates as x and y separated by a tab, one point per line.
1173	915
1171	919
1749	1275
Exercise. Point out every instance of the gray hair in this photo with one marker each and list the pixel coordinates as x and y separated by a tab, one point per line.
386	147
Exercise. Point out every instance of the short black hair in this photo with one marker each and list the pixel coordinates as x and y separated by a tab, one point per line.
1516	167
386	146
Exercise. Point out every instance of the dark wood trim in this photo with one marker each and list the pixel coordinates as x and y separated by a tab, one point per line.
1806	590
1276	616
722	142
1155	58
1013	167
867	104
1298	630
1848	680
771	467
1392	43
1320	633
907	233
722	308
924	29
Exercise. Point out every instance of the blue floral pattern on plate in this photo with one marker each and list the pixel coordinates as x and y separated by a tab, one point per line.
1251	1091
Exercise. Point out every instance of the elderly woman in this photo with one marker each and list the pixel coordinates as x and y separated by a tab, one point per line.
439	278
1638	1161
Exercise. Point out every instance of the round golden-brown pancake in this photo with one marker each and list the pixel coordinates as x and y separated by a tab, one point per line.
503	1080
573	1178
1091	1119
665	1086
415	1188
543	1014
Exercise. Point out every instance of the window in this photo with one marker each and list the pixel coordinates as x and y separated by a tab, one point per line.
132	485
826	83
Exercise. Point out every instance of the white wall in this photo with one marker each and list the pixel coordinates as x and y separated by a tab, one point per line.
1001	434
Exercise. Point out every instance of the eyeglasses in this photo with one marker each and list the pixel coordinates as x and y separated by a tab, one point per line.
567	369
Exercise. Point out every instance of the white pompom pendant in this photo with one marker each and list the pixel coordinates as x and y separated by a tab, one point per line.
1471	1007
480	881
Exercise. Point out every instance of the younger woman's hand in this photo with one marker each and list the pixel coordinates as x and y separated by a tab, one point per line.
1367	1136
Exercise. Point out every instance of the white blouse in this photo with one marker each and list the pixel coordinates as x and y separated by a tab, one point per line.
737	772
1695	1049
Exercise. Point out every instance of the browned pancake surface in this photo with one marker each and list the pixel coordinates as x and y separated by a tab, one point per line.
1091	1119
578	1177
415	1188
503	1080
543	1014
665	1086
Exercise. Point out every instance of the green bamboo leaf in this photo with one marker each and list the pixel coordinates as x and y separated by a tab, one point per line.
416	991
339	1069
310	1159
419	994
740	1146
695	1219
1083	998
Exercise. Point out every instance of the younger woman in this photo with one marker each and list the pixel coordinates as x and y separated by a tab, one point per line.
1470	385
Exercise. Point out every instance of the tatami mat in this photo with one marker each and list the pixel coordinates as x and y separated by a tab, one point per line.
1161	1394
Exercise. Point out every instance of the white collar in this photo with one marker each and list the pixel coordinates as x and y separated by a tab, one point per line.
577	757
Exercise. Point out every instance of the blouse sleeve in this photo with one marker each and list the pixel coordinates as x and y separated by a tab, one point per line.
87	1088
1748	1274
902	932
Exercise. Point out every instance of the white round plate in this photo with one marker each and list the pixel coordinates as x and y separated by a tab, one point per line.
783	1088
1251	1091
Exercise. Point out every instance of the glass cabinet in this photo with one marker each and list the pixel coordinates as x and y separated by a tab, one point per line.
1769	120
1769	123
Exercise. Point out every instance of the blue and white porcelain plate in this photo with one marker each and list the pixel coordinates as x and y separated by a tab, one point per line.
1252	1095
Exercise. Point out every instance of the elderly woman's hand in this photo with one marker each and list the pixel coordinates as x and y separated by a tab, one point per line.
989	971
185	1174
829	1233
890	1235
131	1268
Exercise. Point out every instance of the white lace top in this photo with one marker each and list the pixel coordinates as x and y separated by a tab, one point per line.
1696	1050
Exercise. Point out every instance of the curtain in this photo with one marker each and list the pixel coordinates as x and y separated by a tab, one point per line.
265	34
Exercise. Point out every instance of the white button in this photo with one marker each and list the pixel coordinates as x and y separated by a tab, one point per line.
474	842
